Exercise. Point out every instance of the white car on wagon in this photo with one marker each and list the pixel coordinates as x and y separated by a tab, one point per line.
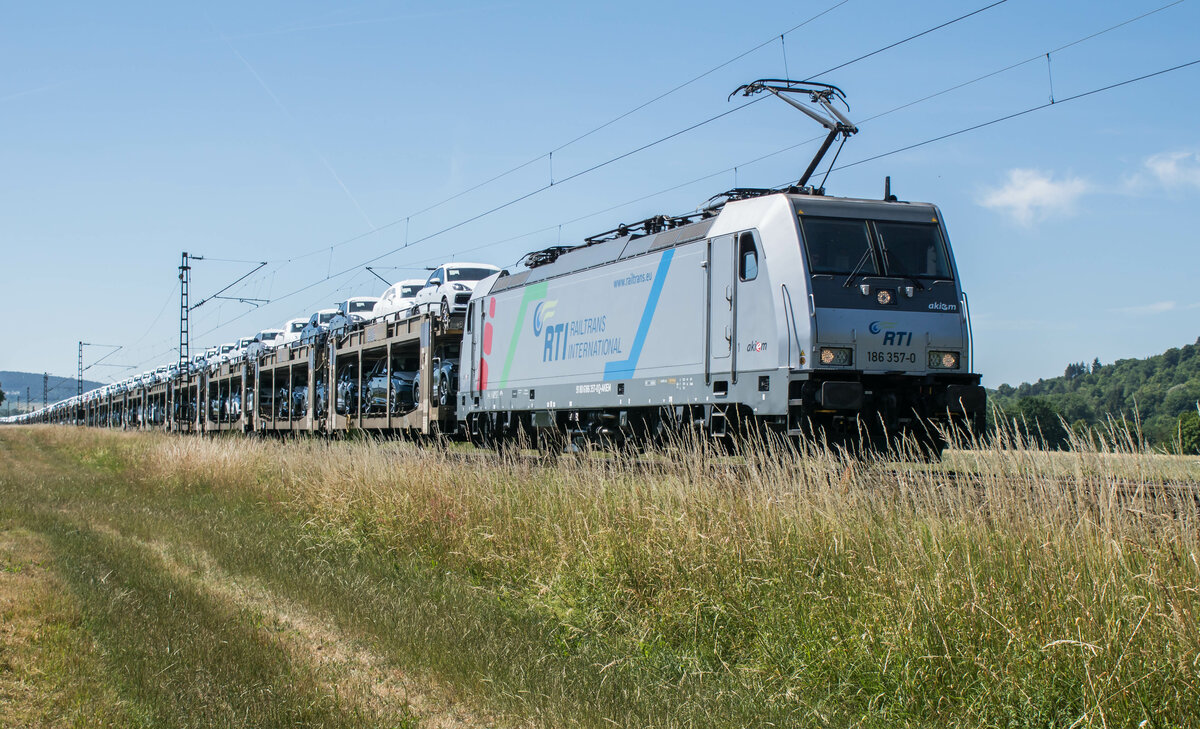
448	288
317	323
352	311
399	297
291	331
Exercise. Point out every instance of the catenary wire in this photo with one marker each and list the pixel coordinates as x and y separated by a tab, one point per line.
1023	112
593	168
586	134
790	147
810	140
644	147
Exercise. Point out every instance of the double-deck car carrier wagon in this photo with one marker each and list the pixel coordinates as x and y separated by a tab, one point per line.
395	374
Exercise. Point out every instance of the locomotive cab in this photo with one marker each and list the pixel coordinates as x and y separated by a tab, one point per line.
891	340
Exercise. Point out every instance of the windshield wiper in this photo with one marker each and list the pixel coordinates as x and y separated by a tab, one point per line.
887	265
854	272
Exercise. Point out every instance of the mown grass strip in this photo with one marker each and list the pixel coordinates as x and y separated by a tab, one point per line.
186	659
51	674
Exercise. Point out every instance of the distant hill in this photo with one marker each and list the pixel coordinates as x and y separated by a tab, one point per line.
61	388
1162	391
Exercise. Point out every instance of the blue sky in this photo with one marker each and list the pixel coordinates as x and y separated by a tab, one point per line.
274	131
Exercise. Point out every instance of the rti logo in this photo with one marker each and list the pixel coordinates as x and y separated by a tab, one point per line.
542	313
892	336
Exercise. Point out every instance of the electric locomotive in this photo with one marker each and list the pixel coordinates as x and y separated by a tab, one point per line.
786	309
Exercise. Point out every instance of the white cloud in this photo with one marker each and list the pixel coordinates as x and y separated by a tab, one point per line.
1174	171
1031	195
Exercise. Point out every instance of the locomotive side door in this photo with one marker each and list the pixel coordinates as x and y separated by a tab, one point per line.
719	307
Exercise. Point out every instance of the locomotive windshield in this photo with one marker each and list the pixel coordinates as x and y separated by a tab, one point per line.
845	246
913	249
838	246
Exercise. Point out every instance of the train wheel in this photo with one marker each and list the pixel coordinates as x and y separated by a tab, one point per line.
443	389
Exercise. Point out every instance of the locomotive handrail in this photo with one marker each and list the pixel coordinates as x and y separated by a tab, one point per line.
970	332
790	311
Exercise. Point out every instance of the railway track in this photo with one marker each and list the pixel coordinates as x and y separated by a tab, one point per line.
728	470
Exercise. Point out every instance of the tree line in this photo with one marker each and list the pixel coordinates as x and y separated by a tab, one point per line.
1157	400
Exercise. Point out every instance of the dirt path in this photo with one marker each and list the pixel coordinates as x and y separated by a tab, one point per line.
354	671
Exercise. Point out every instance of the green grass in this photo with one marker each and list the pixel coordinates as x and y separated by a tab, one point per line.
174	654
817	592
51	674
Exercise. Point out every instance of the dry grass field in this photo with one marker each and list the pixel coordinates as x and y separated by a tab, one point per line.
148	580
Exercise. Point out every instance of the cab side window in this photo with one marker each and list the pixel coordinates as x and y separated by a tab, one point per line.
747	257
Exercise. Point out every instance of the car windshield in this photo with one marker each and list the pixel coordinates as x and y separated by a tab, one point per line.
226	348
468	274
838	246
268	336
913	249
408	292
359	306
297	326
325	318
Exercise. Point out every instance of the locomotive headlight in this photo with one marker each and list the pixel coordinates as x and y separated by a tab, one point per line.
884	296
943	360
836	356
